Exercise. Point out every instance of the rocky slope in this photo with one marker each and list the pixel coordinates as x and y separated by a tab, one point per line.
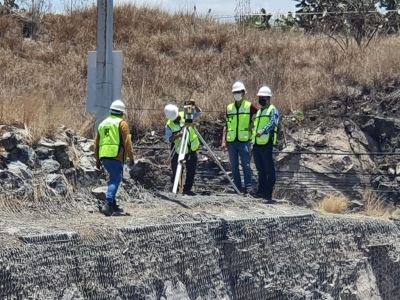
331	149
54	243
349	145
361	136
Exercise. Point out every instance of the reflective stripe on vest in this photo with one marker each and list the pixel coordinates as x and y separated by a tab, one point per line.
263	117
109	137
238	122
194	142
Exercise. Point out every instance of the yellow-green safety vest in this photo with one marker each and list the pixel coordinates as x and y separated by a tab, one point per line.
194	142
262	119
238	122
110	140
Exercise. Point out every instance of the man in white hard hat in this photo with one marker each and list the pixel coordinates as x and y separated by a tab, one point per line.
265	137
112	148
236	136
173	135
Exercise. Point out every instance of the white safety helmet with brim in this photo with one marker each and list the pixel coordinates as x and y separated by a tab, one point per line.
238	86
171	112
117	106
264	92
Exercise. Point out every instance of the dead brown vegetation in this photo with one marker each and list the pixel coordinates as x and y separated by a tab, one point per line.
336	204
373	206
168	57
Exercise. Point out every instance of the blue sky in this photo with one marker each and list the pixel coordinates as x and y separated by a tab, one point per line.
218	7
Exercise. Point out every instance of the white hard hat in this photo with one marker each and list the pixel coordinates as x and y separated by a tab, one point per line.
171	111
117	105
238	86
265	91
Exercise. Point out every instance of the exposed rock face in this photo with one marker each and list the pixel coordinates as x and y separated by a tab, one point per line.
319	154
317	160
314	162
49	164
338	131
64	165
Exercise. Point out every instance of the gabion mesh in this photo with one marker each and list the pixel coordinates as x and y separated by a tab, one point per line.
250	251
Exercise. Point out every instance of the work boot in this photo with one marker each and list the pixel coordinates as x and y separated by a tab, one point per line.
107	209
247	191
116	208
269	200
189	193
258	195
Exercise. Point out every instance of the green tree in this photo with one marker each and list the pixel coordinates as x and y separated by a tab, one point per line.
393	24
259	20
288	22
347	20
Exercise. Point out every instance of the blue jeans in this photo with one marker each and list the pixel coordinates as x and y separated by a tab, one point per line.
114	168
242	150
264	161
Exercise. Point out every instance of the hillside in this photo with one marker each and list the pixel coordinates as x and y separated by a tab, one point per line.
174	57
216	245
349	98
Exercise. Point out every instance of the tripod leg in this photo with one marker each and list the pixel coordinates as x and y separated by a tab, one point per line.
181	157
216	161
182	179
171	155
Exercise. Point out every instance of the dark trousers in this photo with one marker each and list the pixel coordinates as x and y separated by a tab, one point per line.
191	163
264	162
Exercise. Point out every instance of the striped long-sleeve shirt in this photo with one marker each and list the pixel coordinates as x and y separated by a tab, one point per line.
272	123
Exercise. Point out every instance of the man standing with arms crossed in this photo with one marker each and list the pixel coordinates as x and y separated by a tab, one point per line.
112	148
265	137
236	136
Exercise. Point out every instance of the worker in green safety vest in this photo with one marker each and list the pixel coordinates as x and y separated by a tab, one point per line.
236	136
173	135
113	146
265	137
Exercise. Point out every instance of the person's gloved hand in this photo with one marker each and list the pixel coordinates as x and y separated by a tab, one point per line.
131	163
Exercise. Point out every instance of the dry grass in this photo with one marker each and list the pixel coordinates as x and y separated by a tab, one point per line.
335	204
375	206
168	57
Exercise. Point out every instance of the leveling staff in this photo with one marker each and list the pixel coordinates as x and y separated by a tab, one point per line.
173	134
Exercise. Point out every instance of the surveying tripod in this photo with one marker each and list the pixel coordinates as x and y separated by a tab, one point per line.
188	110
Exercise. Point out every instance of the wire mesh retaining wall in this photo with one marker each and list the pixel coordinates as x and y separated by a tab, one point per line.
292	257
301	178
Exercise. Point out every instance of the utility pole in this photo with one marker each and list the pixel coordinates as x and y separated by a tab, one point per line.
104	78
104	59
